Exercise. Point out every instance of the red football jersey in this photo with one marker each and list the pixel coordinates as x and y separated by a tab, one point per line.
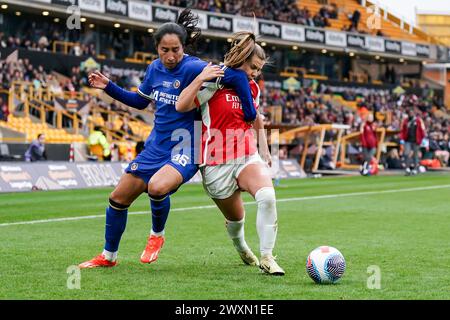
225	134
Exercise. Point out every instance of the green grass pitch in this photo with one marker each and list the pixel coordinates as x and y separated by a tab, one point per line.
399	224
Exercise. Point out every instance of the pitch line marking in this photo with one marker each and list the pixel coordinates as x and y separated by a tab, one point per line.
327	196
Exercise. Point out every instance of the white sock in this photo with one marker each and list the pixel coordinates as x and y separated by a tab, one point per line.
110	256
266	219
235	230
157	234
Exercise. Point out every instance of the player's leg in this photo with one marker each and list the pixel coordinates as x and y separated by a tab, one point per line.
126	191
255	178
220	184
161	184
232	209
164	182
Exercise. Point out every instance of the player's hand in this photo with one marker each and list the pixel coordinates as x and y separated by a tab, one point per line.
98	80
210	72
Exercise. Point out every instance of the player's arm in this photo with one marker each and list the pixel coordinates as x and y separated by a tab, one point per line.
189	97
237	79
261	137
132	99
129	98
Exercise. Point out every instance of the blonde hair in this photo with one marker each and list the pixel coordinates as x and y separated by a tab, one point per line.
243	48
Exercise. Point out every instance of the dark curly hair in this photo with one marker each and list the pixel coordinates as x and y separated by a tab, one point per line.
185	28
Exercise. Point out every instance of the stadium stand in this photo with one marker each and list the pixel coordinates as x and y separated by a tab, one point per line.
32	90
337	15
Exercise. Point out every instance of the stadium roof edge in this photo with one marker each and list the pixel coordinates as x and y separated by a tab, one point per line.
433	12
280	39
419	31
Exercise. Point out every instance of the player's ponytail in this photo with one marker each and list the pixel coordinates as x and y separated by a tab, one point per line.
189	21
186	29
243	47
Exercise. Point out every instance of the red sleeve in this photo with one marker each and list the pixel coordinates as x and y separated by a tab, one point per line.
421	128
363	136
256	93
403	131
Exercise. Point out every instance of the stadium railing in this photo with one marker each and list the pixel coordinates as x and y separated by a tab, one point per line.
316	133
33	102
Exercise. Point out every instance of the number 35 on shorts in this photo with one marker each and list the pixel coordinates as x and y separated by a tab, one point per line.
182	159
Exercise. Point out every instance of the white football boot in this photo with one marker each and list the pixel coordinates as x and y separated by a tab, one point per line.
249	258
268	265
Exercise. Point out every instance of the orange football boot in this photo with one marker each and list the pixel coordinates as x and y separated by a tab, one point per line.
98	261
151	251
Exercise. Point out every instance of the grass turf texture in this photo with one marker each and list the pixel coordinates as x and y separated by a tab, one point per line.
405	234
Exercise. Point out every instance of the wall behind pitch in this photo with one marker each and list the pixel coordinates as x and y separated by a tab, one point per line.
61	175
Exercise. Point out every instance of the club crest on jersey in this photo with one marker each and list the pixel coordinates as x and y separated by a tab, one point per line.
134	166
176	84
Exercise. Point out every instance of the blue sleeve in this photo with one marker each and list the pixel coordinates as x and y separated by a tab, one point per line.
237	79
129	98
146	88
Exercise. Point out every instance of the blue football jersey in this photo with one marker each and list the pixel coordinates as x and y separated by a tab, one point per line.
164	86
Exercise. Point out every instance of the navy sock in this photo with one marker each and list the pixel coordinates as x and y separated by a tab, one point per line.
116	221
160	212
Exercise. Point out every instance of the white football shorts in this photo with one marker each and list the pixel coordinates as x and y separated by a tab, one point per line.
220	181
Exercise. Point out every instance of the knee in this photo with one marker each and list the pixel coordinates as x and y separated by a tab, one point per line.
118	205
119	198
265	197
158	189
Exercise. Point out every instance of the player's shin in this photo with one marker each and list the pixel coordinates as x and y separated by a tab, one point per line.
160	211
235	230
116	221
266	219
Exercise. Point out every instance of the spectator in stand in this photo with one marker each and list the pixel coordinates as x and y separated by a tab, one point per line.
284	11
393	160
125	128
411	135
36	150
368	137
439	148
354	18
333	12
368	140
98	145
4	111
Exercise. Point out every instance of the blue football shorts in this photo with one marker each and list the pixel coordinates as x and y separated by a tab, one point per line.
145	167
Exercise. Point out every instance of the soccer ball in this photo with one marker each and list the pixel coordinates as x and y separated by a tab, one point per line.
325	265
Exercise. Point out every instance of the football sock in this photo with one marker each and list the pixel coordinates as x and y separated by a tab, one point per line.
266	219
160	212
111	256
235	230
116	221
